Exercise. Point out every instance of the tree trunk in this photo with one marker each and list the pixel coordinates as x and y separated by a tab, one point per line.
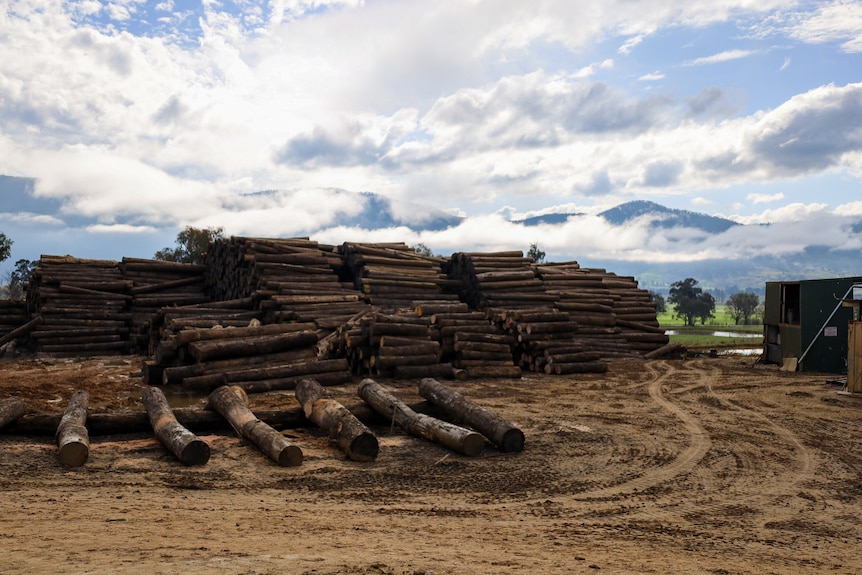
73	441
21	331
184	444
11	409
502	433
231	403
223	349
449	435
356	440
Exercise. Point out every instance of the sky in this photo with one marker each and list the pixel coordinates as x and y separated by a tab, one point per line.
130	120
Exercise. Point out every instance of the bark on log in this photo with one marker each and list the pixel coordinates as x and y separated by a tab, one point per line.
21	331
73	441
447	434
350	434
184	444
11	409
230	403
502	433
224	349
436	370
579	367
664	350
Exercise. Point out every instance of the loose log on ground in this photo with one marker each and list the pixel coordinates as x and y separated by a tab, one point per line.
502	433
185	445
578	367
445	370
230	402
73	441
447	434
21	331
351	435
663	350
11	409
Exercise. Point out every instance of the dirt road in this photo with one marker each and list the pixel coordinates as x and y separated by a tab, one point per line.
709	465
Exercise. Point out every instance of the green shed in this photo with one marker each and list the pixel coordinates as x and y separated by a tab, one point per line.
806	321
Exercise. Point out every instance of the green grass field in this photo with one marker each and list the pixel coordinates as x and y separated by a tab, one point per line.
702	336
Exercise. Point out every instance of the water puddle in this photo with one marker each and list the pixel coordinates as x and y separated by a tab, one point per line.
740	334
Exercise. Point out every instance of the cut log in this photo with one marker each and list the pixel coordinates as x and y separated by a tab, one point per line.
21	331
578	367
224	349
73	441
447	434
11	409
664	350
350	434
436	370
502	433
184	444
231	403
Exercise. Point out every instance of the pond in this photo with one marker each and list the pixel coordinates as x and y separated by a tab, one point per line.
741	334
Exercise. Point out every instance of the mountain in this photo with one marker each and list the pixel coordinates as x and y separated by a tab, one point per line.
380	212
663	217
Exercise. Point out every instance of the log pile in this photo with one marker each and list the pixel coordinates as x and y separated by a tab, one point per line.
235	348
614	316
13	314
291	279
83	305
157	284
497	280
470	341
545	339
402	345
394	276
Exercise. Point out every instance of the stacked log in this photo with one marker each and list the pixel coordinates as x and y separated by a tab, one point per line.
470	341
614	316
291	279
538	332
13	314
497	280
83	305
157	284
403	345
394	276
257	357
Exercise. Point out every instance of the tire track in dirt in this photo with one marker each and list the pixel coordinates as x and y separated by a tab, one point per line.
688	458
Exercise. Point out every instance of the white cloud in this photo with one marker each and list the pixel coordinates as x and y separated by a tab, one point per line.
791	213
119	229
726	56
764	198
836	21
653	77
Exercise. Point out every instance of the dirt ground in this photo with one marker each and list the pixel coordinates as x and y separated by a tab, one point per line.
705	465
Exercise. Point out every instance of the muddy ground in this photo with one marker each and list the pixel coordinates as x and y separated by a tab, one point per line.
705	465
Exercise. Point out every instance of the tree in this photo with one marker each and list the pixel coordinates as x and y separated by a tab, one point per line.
19	278
192	245
535	253
690	301
5	247
422	249
658	300
741	306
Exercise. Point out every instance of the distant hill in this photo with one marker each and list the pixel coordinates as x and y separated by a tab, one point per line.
666	217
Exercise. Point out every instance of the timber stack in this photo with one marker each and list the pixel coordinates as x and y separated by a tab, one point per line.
13	314
469	341
401	345
497	280
238	351
614	316
290	279
157	284
393	275
83	305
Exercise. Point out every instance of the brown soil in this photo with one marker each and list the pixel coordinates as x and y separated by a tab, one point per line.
709	465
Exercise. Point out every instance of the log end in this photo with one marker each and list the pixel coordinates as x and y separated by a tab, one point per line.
74	454
290	456
474	444
197	452
513	441
364	447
